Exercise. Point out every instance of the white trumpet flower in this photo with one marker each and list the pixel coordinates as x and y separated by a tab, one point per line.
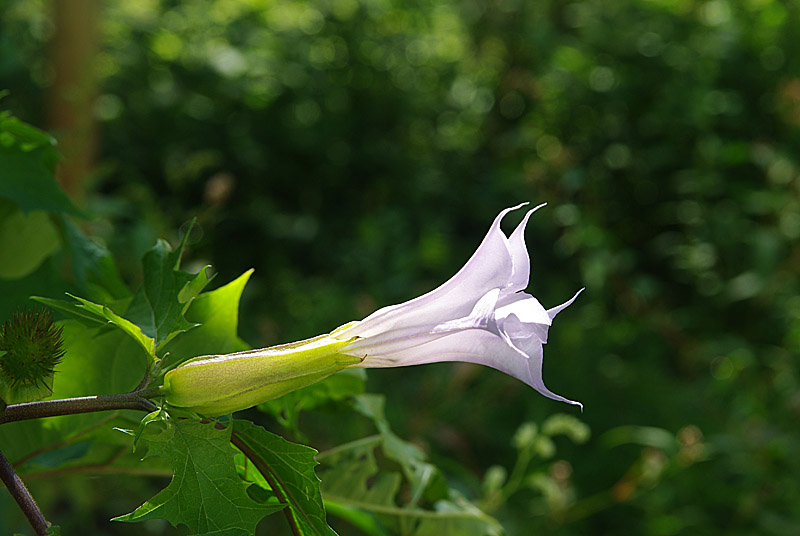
481	315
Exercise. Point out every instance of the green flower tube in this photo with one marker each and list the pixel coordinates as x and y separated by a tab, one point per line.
220	384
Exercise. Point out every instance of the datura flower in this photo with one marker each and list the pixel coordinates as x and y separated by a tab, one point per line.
481	315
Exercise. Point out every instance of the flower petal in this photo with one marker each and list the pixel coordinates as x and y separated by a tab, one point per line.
519	254
474	346
557	309
395	341
526	308
491	266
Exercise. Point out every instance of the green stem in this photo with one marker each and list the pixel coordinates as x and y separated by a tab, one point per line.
137	400
23	497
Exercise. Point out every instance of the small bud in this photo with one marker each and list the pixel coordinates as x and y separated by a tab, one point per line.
30	348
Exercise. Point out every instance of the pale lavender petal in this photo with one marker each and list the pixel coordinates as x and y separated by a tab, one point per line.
481	317
474	346
398	340
533	348
518	330
557	309
489	267
519	254
526	308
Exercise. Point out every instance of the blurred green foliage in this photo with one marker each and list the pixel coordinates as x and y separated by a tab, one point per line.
354	152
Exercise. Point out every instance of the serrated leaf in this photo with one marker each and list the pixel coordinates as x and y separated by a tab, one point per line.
158	307
206	493
156	314
291	468
217	313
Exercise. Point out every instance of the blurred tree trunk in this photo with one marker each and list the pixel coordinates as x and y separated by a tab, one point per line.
71	98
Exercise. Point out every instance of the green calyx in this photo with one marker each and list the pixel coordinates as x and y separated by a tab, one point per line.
30	348
221	384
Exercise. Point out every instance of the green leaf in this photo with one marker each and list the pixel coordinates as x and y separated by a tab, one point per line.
291	468
134	331
167	292
217	313
27	166
26	240
156	314
94	313
419	473
353	480
72	309
206	493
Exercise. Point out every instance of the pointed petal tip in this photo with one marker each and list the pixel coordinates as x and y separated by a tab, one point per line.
525	203
571	402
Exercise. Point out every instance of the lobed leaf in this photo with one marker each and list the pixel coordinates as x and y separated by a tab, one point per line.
160	304
217	315
291	469
206	494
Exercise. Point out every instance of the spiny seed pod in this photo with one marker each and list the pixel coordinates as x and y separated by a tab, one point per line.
30	348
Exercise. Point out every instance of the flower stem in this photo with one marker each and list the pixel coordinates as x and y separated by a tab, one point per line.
137	400
23	497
